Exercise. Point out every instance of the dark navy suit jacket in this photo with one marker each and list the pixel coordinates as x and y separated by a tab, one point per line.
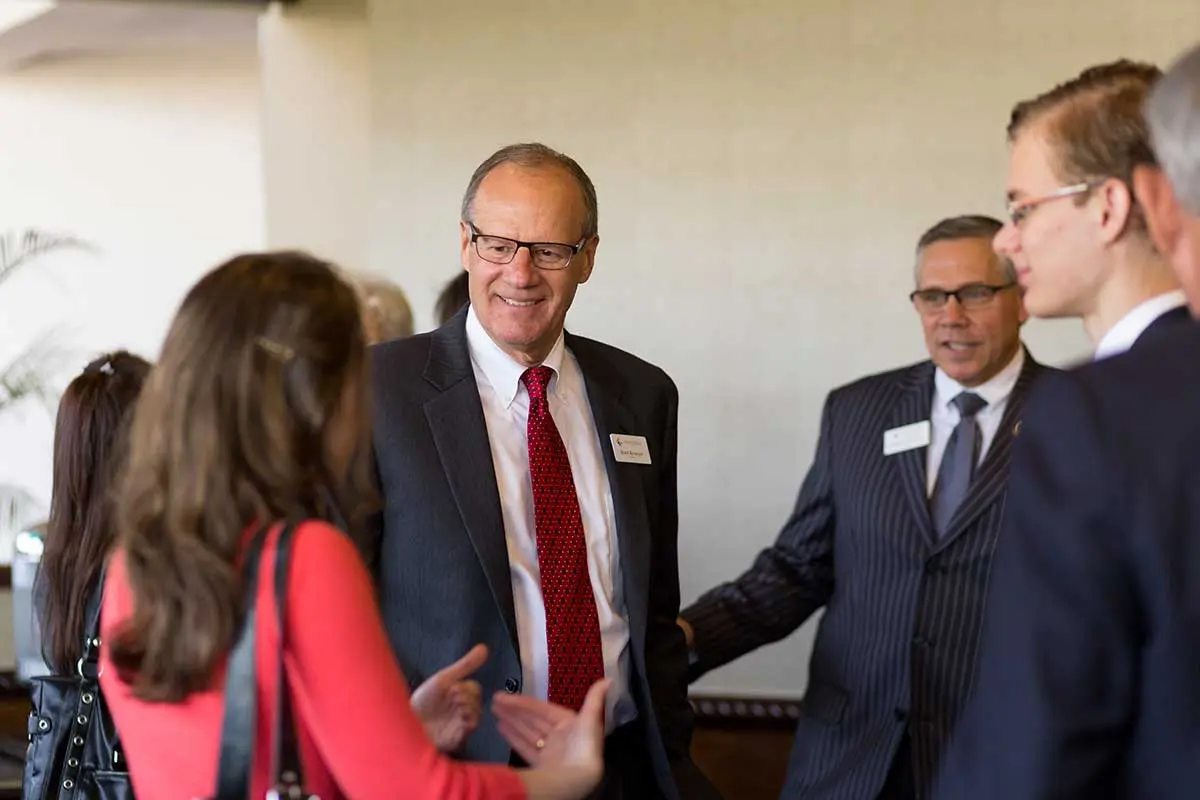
1089	682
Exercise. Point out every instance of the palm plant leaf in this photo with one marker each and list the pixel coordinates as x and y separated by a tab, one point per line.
16	506
18	249
26	376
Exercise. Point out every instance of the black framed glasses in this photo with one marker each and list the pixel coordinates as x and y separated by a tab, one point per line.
545	255
972	295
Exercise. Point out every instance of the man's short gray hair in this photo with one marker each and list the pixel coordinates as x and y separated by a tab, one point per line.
1173	115
385	309
966	226
534	155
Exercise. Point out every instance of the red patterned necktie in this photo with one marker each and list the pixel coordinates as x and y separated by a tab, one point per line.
572	624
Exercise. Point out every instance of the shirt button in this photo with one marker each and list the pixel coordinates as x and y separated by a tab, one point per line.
512	686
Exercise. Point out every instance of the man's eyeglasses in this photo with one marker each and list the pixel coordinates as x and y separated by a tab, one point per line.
973	295
1019	210
545	255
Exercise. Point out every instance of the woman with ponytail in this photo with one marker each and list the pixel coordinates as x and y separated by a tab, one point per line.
89	438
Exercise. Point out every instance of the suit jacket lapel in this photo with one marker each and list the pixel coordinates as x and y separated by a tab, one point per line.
913	406
625	482
990	482
459	429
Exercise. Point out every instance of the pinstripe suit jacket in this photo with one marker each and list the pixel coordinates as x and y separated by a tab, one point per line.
897	647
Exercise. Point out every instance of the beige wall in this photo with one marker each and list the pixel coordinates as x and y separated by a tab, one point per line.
155	160
316	124
764	169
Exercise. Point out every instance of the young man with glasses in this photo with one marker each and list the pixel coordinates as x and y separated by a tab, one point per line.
1077	234
893	534
1089	683
528	479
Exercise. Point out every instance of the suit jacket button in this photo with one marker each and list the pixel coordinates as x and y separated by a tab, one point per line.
901	714
512	686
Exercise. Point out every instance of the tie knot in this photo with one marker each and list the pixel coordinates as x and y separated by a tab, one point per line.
969	404
536	379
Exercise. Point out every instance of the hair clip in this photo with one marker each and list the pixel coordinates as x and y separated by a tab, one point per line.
107	368
280	352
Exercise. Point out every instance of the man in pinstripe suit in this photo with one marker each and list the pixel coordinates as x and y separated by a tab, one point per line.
893	534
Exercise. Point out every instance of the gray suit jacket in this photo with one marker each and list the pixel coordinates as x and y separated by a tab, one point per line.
439	553
896	649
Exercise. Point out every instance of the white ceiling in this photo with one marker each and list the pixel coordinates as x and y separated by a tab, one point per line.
18	12
39	30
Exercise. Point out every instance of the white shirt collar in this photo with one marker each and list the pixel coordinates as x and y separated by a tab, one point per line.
502	371
1120	337
994	390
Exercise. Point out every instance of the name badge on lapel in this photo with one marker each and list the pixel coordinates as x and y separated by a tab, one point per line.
630	449
906	437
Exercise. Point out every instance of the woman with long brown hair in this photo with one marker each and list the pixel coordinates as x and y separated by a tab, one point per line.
89	436
256	414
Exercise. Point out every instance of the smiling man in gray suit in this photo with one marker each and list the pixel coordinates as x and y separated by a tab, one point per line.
893	534
529	486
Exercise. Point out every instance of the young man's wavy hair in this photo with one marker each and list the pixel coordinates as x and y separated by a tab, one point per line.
256	412
89	439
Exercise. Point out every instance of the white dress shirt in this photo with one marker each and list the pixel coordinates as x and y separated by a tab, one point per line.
1120	337
944	415
506	411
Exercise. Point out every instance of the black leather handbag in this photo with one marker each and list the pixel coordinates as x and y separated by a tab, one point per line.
241	692
74	751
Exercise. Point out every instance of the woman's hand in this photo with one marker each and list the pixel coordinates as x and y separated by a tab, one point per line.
449	704
549	735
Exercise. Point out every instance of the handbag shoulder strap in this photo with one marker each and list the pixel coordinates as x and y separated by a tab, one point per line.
83	725
241	690
287	768
90	655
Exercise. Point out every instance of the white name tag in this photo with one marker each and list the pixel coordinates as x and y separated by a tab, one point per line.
906	437
630	449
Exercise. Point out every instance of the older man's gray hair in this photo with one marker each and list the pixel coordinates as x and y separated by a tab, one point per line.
965	226
535	155
1173	115
385	309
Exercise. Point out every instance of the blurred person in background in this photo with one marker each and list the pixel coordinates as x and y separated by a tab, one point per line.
454	295
385	309
89	439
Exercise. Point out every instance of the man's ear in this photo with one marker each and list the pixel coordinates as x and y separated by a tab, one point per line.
1115	209
1164	216
464	232
589	254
